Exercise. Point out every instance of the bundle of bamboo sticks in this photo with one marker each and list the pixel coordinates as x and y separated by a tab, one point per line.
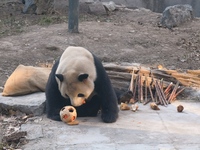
145	92
161	86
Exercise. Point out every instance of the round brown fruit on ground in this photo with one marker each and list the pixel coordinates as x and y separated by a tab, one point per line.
180	108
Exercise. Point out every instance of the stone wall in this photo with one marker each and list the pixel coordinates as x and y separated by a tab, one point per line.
154	5
159	5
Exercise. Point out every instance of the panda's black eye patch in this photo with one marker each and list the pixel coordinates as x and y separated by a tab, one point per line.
71	110
80	95
62	108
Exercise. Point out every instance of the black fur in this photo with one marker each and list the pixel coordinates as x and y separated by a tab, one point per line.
106	99
60	77
82	77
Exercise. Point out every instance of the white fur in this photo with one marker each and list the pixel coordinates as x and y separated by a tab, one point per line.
73	62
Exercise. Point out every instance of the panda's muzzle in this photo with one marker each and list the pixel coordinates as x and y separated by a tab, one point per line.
82	95
78	100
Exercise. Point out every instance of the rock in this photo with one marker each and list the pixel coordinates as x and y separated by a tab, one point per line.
97	8
44	7
110	6
87	1
29	6
34	131
176	15
38	7
29	104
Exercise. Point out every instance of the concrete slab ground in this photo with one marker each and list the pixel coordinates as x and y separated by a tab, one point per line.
145	129
30	104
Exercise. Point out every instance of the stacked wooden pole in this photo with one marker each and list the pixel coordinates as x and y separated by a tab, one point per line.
189	78
151	85
154	91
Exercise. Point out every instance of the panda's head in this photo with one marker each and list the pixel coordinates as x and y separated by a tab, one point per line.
77	87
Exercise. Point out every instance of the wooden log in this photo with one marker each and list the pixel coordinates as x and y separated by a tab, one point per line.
151	93
159	75
160	98
120	68
131	87
177	93
168	88
173	92
139	88
120	75
120	85
148	101
135	87
167	75
194	72
124	76
189	82
156	98
146	85
160	88
169	72
184	76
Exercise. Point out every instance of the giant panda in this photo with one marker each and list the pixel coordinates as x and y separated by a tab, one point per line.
78	78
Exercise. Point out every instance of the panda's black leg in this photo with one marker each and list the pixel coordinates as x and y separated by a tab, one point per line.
54	101
109	103
108	98
109	114
90	108
109	117
53	108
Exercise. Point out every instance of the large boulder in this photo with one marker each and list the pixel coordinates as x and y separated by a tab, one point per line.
176	15
97	8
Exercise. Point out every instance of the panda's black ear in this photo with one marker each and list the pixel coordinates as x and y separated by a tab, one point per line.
60	77
82	76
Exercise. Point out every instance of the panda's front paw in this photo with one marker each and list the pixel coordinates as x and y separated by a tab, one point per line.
109	117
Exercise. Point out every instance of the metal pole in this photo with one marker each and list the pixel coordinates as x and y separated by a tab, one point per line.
73	16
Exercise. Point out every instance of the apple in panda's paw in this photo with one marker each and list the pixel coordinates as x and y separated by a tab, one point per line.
68	115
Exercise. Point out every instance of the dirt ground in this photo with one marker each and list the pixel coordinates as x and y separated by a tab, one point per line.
122	36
